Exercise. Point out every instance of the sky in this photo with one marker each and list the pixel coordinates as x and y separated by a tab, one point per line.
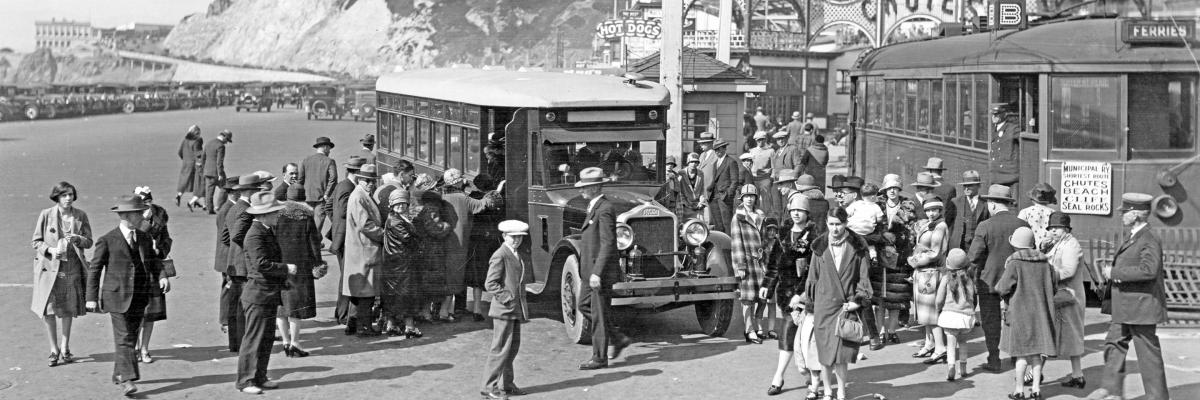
17	16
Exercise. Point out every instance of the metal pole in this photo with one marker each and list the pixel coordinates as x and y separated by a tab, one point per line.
804	90
669	72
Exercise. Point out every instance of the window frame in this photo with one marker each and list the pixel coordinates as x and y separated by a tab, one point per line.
1109	154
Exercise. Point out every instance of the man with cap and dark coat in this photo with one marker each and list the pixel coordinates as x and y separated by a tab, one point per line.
1005	147
132	272
719	193
230	291
367	153
214	167
598	248
990	249
262	295
970	210
1139	304
814	159
318	175
337	239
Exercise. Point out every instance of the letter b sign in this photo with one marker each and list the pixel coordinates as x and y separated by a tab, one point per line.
1009	14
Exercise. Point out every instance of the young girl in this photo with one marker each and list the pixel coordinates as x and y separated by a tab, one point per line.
748	263
956	311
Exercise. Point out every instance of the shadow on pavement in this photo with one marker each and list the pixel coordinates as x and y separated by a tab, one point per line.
383	374
670	348
227	379
591	380
189	354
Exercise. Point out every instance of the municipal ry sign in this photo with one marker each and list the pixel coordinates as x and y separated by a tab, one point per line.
1086	188
629	27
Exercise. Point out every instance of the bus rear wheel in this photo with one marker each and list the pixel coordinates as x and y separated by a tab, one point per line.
577	325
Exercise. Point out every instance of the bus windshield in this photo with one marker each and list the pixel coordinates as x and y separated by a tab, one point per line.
622	162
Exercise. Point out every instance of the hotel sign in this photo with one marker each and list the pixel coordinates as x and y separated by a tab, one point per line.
1158	32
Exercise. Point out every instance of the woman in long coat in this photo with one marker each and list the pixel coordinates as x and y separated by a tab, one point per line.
60	235
155	224
748	260
837	284
191	155
891	284
400	277
1066	257
1027	285
433	228
300	244
786	274
928	258
485	239
459	245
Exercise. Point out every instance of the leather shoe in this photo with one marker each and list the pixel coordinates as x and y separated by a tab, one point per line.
269	385
252	390
775	389
493	394
593	364
993	367
128	388
515	391
619	346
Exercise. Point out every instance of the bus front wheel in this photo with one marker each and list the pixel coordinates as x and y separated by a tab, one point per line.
714	316
577	325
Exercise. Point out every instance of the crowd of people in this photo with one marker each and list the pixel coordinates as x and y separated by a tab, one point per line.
839	271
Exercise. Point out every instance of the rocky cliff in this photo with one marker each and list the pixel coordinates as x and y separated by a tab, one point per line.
370	37
78	65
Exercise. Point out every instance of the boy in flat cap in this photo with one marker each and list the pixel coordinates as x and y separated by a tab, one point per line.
508	273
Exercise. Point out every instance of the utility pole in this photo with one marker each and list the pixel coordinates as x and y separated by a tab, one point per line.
669	72
804	90
723	31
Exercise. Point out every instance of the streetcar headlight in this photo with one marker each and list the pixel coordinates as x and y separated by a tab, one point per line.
550	117
653	114
694	232
624	236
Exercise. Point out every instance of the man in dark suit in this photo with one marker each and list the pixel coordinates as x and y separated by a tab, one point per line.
599	252
237	269
214	167
1004	153
337	239
970	210
291	173
261	296
132	272
229	292
989	249
318	174
719	193
1138	305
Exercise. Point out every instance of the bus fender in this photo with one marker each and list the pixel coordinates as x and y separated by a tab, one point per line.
551	275
718	259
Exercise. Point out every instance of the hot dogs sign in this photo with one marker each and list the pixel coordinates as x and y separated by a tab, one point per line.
629	27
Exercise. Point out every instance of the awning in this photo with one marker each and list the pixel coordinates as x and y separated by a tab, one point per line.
565	136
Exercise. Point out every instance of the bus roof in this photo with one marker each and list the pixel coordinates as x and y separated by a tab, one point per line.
523	89
1068	46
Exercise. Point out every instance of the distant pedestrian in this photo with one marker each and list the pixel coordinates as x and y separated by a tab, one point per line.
261	297
318	175
722	187
214	167
60	236
191	153
131	271
800	133
509	270
813	161
936	167
989	250
364	249
762	122
154	223
956	312
300	245
367	152
971	211
1027	286
600	265
236	226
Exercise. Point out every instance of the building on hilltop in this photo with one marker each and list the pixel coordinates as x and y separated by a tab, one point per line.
61	34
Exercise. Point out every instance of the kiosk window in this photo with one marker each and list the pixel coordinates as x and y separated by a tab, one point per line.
1162	123
1084	112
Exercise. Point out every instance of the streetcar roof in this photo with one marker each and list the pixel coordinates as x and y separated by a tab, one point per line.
1069	46
523	89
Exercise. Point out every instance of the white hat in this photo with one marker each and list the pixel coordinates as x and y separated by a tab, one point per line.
590	176
782	134
746	156
514	227
760	135
452	176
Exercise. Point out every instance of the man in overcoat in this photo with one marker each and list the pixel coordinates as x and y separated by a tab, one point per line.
132	272
261	297
970	210
318	175
509	270
599	252
237	223
228	303
719	193
1139	303
214	167
989	250
337	239
364	249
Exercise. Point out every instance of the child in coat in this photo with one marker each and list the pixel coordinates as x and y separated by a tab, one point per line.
508	273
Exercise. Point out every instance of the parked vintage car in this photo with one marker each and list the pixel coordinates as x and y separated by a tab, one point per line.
364	105
323	101
8	110
255	97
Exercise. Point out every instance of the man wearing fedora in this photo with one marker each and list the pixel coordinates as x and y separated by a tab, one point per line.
936	167
925	185
318	175
132	272
1138	305
262	294
237	223
363	249
337	238
989	250
1005	149
598	248
367	152
230	290
719	192
969	211
214	167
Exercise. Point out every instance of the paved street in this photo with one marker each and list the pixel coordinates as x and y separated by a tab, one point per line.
106	156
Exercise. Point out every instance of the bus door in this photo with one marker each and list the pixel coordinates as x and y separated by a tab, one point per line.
1021	93
516	165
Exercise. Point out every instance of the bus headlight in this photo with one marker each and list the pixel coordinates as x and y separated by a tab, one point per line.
624	236
694	232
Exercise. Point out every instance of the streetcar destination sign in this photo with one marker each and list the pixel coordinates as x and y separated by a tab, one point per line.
1150	31
629	27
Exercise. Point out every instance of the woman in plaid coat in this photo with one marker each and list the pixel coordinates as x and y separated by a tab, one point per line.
748	260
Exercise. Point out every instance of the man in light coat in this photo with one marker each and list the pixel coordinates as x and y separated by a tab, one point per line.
363	249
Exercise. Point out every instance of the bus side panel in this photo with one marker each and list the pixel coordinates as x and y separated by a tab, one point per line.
888	154
544	232
516	167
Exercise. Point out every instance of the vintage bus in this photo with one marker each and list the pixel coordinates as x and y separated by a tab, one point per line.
541	129
1106	106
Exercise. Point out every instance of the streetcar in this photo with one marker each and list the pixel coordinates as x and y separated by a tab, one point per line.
545	125
1105	106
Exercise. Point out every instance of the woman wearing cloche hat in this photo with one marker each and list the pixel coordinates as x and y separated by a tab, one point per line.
1027	284
1066	256
748	263
400	275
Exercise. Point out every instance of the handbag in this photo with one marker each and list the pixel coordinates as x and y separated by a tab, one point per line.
1064	298
849	328
320	270
168	268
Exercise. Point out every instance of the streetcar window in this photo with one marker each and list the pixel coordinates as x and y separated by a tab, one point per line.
909	103
456	147
473	149
423	139
384	123
1084	112
410	136
935	110
438	132
1162	123
889	96
982	122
